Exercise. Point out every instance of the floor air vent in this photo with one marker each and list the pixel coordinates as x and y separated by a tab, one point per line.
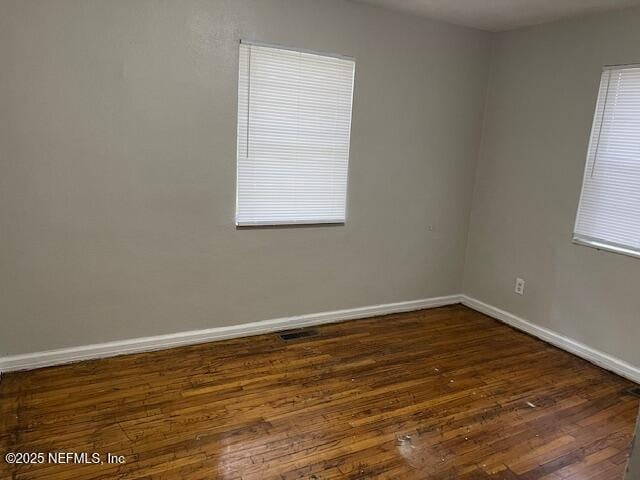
297	334
635	391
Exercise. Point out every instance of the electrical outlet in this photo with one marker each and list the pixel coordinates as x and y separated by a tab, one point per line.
519	286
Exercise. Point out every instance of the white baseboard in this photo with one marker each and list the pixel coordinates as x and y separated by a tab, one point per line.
102	350
597	357
144	344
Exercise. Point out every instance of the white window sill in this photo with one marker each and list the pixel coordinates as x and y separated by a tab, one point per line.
598	245
290	223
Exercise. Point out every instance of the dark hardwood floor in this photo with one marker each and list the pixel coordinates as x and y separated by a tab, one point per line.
446	393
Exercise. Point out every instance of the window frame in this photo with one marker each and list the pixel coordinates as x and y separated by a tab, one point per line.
586	240
295	223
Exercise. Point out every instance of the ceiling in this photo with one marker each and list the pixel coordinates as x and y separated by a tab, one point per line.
501	15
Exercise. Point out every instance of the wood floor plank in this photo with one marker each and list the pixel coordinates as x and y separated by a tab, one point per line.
446	393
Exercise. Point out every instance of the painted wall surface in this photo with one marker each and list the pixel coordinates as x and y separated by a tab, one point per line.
541	97
117	167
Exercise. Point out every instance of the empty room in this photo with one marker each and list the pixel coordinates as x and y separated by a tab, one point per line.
319	239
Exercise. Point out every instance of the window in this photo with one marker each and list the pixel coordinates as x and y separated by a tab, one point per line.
294	123
609	211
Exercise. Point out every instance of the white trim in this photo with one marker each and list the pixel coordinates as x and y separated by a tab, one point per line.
30	361
597	357
293	49
606	246
622	66
276	223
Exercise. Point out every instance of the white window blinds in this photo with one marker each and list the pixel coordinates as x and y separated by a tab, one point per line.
294	122
609	211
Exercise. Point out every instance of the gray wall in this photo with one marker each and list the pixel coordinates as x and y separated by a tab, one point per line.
542	92
117	167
